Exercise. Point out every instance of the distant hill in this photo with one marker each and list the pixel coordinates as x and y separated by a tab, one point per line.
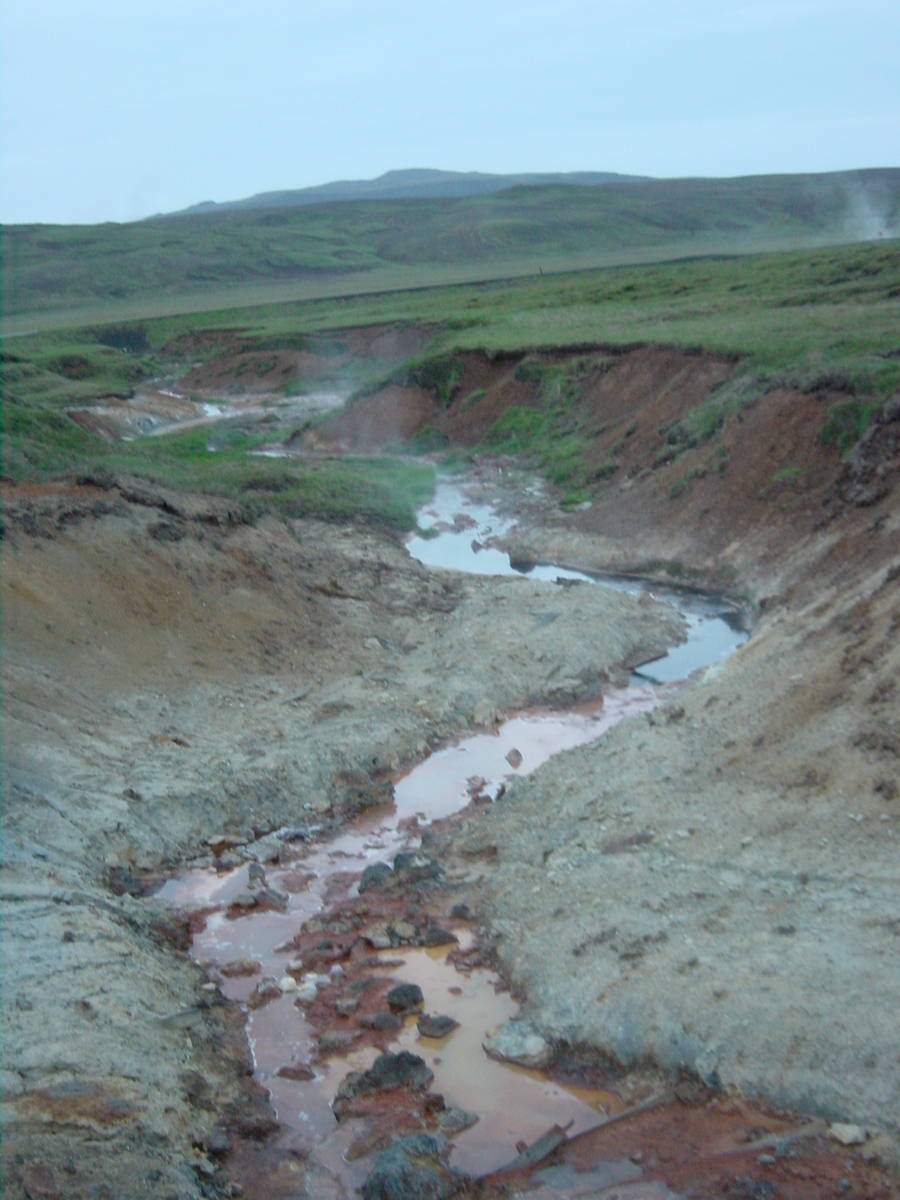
412	185
238	255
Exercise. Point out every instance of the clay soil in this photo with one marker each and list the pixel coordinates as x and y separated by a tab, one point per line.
178	683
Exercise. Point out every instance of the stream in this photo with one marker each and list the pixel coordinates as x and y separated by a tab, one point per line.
511	1104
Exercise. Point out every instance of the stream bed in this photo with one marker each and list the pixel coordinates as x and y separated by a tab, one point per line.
250	950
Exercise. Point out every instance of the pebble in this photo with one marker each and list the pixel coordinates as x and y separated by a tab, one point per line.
287	983
436	1027
404	930
405	997
848	1135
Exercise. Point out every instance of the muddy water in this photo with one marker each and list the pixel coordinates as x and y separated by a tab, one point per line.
461	534
510	1104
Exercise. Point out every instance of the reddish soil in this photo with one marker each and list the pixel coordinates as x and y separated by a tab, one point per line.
232	361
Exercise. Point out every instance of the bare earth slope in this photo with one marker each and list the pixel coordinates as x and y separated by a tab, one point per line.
170	673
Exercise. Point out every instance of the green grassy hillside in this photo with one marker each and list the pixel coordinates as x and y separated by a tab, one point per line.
72	274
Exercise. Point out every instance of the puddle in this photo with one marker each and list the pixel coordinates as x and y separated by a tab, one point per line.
510	1104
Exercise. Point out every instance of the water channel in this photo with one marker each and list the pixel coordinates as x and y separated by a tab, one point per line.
510	1104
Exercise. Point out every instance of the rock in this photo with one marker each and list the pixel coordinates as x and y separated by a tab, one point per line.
435	936
436	1027
346	1006
387	1073
227	861
276	901
383	1022
848	1135
336	1040
244	901
375	877
413	867
378	937
301	1072
405	998
306	992
519	1042
256	875
454	1120
239	968
514	758
460	912
267	989
414	1168
404	931
218	1143
287	983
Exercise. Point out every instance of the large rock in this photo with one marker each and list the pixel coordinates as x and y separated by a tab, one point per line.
387	1073
520	1043
414	1168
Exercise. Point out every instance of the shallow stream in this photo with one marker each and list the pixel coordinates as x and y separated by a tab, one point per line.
511	1104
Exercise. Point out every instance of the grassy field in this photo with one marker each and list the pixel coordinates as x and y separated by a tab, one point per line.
76	274
805	319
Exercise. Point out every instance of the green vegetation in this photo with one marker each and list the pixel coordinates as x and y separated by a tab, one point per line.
847	422
810	320
205	261
42	444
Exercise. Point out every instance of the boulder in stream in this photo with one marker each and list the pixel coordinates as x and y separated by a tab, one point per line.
386	1074
405	998
520	1043
414	1168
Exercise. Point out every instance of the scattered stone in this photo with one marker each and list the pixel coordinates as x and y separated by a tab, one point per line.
413	867
301	1072
270	898
404	931
454	1120
514	758
460	912
848	1135
287	983
228	861
520	1043
436	1027
256	875
336	1040
244	901
435	936
378	937
387	1073
240	968
383	1022
218	1143
306	992
414	1168
267	989
346	1006
375	877
405	998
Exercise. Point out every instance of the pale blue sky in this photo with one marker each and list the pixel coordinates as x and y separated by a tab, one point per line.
111	110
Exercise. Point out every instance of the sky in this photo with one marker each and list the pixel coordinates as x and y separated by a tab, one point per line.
115	111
